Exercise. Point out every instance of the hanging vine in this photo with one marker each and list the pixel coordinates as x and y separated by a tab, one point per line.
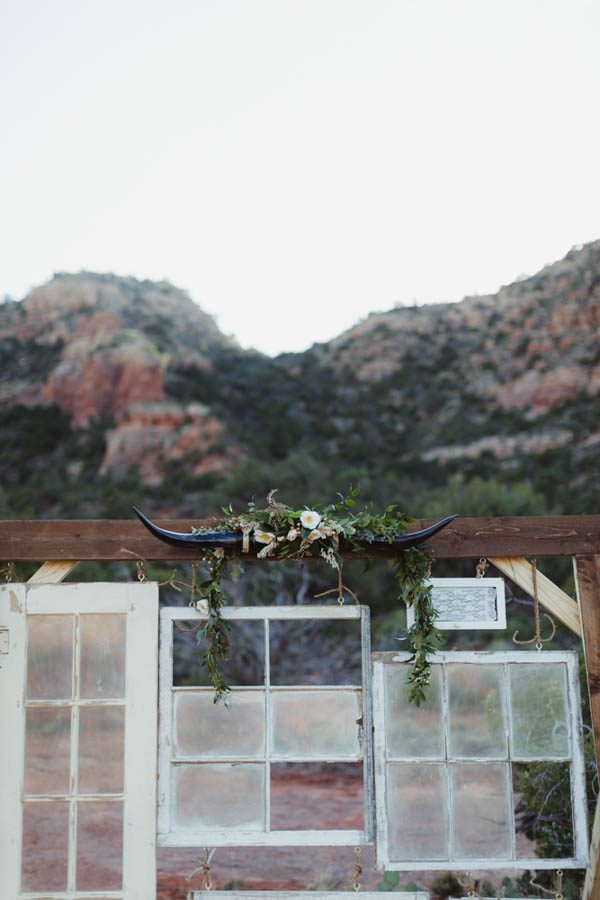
295	534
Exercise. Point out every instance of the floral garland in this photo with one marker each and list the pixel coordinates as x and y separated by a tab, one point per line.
288	533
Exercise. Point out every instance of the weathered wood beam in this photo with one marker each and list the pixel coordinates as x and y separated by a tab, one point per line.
468	538
591	887
562	607
587	581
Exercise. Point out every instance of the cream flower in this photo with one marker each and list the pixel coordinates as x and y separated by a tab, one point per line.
263	537
292	534
202	606
310	518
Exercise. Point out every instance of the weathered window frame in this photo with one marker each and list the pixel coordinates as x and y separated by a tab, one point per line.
167	834
575	759
138	603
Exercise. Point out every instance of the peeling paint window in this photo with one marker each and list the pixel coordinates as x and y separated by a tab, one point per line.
82	814
297	725
449	773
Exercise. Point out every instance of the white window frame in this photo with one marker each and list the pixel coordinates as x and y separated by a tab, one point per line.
168	836
139	603
463	586
304	895
575	758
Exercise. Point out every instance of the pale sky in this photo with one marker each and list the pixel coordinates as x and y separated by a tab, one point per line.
297	164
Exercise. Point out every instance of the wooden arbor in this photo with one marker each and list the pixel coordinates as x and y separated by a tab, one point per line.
505	542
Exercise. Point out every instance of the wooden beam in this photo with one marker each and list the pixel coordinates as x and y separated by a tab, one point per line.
562	607
587	582
52	572
467	538
591	887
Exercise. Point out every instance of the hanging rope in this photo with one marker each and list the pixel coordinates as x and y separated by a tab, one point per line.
172	581
538	640
204	867
468	884
340	592
556	891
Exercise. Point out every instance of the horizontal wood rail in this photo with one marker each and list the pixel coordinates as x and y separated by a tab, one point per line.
109	539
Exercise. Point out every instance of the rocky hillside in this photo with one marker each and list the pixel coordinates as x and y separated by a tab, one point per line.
114	389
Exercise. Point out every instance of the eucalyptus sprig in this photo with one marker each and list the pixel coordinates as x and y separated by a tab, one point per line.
411	569
215	633
288	533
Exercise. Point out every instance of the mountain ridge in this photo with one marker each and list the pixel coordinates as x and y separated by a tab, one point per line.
414	396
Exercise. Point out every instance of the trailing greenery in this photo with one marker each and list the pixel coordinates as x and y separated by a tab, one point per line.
285	532
216	630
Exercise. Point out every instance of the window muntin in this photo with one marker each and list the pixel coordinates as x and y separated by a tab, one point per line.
220	769
444	771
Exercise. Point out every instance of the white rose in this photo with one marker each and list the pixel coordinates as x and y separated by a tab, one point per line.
263	537
310	518
292	534
202	606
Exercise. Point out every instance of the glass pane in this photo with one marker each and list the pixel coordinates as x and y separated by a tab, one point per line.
207	729
50	657
315	651
45	846
546	787
413	731
317	796
101	749
100	846
476	701
47	751
102	656
316	724
482	798
246	663
417	812
220	796
539	710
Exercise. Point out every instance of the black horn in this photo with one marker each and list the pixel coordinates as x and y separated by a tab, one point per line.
231	539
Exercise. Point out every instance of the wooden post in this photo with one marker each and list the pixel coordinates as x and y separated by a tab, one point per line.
587	581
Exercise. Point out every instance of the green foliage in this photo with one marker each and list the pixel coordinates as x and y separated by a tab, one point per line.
447	885
391	882
216	631
292	533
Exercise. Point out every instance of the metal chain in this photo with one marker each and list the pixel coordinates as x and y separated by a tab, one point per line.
481	566
9	572
538	640
358	869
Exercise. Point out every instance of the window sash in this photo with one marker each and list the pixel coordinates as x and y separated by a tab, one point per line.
382	661
171	836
